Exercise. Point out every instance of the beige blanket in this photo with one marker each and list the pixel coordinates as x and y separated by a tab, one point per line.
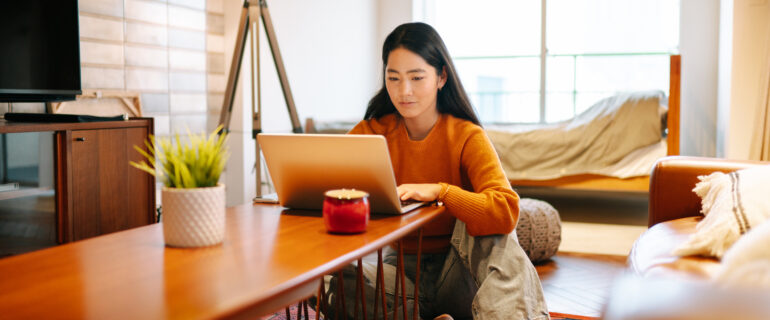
599	137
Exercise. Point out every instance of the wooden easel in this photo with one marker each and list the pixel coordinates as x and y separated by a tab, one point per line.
250	15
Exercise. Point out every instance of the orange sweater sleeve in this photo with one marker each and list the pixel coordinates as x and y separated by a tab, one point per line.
494	207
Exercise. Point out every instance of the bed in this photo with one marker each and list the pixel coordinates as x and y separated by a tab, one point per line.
620	167
630	173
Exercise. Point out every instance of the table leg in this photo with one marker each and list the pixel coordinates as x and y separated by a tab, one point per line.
361	288
398	274
341	297
299	310
381	280
321	308
402	277
415	315
358	288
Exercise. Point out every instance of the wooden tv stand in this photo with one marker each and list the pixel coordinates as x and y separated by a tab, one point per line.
97	192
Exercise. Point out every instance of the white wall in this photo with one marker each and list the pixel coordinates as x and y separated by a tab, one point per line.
724	74
330	53
332	62
750	41
391	14
698	45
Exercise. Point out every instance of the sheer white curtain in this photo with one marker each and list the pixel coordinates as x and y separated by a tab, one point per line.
760	146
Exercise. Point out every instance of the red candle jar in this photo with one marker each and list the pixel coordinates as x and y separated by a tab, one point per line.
346	210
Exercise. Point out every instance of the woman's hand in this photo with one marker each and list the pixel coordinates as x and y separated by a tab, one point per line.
419	192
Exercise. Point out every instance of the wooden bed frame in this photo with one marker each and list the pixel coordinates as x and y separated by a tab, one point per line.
594	182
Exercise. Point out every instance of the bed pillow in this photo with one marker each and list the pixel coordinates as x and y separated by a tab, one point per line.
747	262
732	204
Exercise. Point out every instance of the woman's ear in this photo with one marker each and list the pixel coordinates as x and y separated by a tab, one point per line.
442	78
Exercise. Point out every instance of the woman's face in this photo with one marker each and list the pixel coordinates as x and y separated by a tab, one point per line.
412	84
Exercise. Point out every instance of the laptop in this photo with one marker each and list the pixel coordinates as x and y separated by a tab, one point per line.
304	166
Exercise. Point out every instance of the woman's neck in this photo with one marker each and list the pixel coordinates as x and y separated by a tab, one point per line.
419	127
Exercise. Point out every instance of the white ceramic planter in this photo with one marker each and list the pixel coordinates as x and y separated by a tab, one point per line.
193	217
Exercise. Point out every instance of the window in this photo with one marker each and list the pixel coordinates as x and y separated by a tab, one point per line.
517	69
489	89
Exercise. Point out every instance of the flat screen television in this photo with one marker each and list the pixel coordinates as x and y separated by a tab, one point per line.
39	50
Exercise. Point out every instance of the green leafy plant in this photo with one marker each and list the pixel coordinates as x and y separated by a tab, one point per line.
195	164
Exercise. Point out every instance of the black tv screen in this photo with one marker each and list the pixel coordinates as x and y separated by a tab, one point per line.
39	50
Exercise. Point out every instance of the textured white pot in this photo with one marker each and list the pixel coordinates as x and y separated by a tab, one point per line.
193	217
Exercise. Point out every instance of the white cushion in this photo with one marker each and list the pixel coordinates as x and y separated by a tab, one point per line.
732	204
747	263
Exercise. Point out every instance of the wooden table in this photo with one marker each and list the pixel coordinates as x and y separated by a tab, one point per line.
271	258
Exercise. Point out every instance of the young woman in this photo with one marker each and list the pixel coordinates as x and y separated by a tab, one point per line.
471	266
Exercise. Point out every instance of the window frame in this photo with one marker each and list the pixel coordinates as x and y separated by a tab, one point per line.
421	12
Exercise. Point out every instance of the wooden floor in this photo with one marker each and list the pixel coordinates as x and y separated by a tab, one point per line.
578	283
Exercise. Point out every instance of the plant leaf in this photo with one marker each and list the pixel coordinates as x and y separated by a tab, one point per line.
197	163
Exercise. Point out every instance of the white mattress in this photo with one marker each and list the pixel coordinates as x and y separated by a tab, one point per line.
636	164
619	137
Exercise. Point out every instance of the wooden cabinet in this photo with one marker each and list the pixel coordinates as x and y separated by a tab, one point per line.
97	191
107	194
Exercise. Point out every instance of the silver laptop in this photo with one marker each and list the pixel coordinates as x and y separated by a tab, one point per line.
304	166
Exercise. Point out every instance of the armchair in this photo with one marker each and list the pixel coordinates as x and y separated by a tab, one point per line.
674	211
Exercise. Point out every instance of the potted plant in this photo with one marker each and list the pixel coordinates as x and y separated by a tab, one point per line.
193	200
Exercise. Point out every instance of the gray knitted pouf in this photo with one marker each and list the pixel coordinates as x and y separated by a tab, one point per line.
539	229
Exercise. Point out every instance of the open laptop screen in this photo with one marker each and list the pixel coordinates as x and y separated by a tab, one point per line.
304	166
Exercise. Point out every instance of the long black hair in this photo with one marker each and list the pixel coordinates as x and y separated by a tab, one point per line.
424	41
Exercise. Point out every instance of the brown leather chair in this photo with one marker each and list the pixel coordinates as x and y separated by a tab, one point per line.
674	210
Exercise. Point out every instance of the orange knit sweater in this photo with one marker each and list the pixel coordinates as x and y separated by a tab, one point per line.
460	154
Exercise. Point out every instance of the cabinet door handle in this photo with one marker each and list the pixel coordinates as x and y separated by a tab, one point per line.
80	139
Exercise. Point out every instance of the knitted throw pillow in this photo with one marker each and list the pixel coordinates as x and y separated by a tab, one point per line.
539	229
732	204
